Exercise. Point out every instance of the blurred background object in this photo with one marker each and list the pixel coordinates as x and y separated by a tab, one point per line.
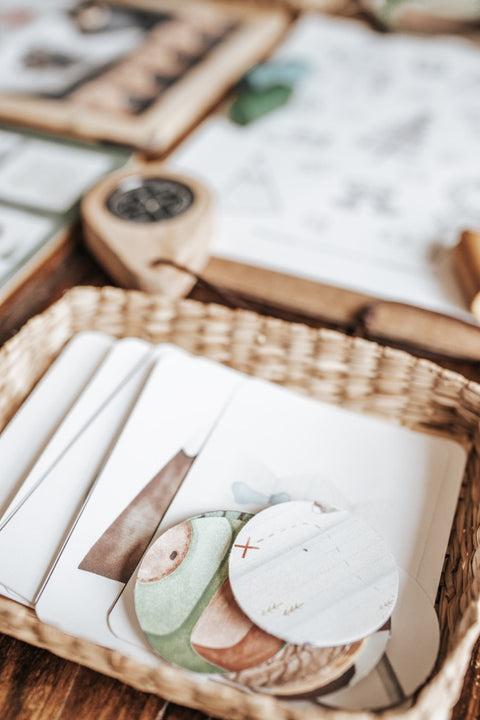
424	15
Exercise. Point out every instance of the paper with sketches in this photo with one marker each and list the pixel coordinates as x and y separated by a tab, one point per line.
366	177
48	176
41	183
21	234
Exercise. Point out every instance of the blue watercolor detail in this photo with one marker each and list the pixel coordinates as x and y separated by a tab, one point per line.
245	495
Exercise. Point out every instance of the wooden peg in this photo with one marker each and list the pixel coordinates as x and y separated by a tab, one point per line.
466	256
140	216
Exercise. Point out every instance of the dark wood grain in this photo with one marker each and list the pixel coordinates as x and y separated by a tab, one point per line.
95	696
177	712
34	684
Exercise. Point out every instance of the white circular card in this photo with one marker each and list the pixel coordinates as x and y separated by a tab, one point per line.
409	658
370	654
313	576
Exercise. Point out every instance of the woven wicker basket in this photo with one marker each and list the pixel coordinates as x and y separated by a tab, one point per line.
325	365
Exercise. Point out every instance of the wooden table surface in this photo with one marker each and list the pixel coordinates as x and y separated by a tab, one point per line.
36	685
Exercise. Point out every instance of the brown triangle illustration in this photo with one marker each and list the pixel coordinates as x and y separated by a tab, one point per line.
117	552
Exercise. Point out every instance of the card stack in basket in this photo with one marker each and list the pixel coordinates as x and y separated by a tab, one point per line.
177	510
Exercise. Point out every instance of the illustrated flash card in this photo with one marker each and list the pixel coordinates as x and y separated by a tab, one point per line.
180	402
271	446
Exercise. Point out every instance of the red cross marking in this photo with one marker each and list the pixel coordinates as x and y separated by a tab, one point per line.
247	547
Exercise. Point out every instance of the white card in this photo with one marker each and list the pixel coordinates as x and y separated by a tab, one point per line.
181	396
37	419
21	233
399	481
50	176
272	445
120	361
8	141
33	535
313	575
396	479
6	592
408	660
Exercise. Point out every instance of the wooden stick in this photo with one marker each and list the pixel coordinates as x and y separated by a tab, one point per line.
466	256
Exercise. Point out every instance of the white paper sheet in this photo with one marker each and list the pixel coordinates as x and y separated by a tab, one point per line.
48	176
366	177
41	183
21	234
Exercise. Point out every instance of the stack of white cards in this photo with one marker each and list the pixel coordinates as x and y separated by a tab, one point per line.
121	440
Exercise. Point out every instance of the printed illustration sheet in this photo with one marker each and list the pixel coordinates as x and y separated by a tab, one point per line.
365	178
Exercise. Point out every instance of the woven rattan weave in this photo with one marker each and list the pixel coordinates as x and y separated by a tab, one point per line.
324	364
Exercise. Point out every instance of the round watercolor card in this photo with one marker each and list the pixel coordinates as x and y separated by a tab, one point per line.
312	574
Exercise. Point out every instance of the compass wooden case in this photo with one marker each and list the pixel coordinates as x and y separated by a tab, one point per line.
139	220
